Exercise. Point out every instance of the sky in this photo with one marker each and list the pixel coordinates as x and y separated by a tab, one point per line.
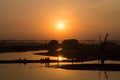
39	19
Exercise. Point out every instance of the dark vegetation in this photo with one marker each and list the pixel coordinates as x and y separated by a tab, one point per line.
69	46
14	46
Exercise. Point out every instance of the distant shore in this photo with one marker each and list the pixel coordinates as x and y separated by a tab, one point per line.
21	47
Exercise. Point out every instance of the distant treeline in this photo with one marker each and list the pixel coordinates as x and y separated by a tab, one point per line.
47	41
51	45
22	45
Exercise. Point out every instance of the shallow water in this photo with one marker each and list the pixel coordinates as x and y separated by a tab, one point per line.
37	71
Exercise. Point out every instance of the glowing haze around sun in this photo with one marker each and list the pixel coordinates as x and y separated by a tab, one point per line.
60	26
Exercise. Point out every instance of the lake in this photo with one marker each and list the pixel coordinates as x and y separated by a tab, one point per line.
37	71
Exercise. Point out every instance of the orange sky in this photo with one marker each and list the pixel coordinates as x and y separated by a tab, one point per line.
38	19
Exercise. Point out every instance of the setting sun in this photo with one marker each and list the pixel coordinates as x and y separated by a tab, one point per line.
60	26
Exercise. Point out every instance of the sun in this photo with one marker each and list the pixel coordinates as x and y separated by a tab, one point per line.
60	26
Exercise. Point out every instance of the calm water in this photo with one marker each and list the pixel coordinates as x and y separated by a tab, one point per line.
38	71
